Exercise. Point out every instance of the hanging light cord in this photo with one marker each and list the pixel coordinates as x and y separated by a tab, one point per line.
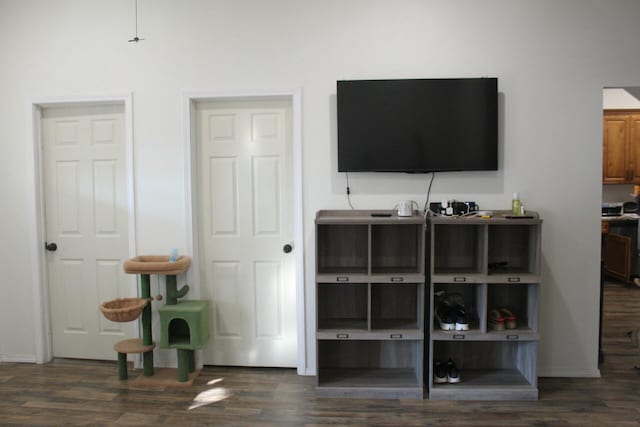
136	38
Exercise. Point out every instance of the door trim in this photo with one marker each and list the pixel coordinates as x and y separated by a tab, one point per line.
293	95
39	281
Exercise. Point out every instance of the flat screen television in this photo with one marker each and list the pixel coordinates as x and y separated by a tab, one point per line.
417	125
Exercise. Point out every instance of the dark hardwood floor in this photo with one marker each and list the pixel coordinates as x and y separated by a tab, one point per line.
74	392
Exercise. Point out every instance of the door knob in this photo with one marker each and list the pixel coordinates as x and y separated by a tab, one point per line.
51	247
287	248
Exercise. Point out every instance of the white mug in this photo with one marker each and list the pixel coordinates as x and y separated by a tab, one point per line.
405	208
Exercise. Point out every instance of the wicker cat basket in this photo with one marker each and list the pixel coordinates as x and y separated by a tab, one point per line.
123	309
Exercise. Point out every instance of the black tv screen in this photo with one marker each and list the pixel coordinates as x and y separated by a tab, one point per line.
417	125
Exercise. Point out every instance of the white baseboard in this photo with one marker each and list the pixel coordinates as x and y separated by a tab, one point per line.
307	372
568	373
18	358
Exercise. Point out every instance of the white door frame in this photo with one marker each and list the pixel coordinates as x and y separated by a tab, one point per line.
39	280
295	97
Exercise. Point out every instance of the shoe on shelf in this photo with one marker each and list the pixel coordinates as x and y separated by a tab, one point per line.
440	372
462	319
451	312
510	319
460	313
445	315
453	375
496	320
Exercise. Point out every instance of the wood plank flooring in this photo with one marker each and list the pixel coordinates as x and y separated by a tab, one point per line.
76	392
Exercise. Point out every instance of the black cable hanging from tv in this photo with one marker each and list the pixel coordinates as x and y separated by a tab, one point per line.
426	202
349	192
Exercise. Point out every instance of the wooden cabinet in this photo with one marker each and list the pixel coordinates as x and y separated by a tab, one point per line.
370	304
490	264
621	147
617	256
620	249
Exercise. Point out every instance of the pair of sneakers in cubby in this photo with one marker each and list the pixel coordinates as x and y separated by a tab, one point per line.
445	372
451	312
502	318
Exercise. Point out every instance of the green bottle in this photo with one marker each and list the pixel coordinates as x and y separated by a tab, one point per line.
516	205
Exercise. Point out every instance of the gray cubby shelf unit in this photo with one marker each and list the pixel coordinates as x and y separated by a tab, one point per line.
370	279
492	263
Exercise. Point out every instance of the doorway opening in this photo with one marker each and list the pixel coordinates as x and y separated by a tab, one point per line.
620	261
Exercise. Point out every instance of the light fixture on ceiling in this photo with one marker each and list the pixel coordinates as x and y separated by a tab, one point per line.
136	38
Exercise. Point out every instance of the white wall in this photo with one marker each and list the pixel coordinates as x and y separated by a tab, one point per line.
552	60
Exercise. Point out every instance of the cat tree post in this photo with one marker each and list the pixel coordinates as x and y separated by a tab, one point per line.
147	357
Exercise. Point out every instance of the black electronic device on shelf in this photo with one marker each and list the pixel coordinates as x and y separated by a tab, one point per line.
453	208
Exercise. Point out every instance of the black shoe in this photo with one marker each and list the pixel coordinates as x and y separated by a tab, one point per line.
444	313
453	376
452	314
460	314
462	319
439	372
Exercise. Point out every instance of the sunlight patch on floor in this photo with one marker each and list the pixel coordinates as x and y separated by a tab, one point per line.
210	396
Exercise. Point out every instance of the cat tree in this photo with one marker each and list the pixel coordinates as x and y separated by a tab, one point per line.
183	324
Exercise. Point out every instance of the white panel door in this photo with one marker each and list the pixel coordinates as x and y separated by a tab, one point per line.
87	219
245	210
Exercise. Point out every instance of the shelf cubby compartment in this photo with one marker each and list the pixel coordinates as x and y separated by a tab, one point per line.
342	249
397	306
473	295
521	300
458	251
343	306
370	368
397	249
370	277
513	252
489	370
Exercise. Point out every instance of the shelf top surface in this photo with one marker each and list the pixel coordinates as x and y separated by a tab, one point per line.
382	216
366	217
499	217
